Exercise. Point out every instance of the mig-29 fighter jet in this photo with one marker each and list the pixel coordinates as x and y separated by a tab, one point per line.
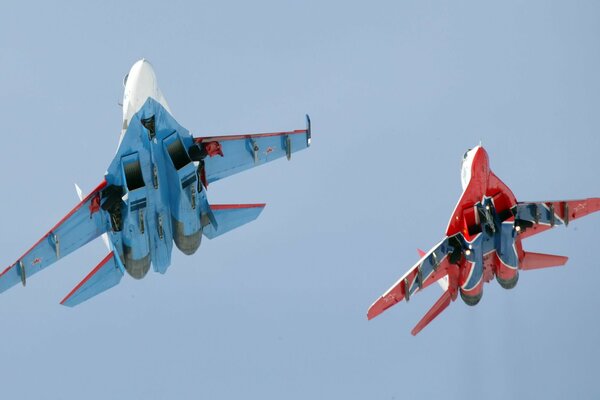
483	241
153	193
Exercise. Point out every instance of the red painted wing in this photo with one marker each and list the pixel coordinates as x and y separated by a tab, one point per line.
408	283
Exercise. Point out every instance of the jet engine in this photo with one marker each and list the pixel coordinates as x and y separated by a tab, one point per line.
136	268
471	300
470	280
184	188
136	242
188	244
507	277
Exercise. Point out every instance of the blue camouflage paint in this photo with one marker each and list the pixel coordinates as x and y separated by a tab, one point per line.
107	276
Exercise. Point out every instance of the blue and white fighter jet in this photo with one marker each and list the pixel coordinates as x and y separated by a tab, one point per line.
153	193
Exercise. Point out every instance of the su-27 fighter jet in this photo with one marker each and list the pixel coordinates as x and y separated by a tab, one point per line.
153	193
483	240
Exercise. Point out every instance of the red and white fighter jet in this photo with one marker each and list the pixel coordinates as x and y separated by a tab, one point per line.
483	241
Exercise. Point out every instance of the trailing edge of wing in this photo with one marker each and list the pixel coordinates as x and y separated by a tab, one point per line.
106	275
231	216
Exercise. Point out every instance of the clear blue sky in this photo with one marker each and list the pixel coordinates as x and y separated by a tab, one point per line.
277	309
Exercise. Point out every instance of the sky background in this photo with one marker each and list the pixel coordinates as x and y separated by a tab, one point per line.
397	91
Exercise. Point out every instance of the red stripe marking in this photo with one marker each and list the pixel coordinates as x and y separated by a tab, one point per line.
73	211
87	278
216	207
248	136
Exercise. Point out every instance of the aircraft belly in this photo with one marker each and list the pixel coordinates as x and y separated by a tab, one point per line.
171	213
160	240
159	231
507	252
489	266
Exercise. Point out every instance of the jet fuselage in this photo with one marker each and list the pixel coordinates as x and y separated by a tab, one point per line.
153	194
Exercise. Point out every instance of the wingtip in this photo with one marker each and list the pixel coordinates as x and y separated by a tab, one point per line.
370	315
308	131
377	308
63	302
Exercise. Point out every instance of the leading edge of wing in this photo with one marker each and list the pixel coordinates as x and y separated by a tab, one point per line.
419	276
9	279
247	136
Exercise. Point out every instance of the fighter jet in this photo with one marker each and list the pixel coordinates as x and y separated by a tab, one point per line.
154	193
483	240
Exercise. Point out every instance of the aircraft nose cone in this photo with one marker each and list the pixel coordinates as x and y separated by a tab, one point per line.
143	63
144	72
140	84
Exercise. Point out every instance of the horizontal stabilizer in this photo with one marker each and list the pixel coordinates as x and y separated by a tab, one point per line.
231	216
538	260
106	275
433	312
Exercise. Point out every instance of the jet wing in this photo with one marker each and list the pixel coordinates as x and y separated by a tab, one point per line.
83	224
432	266
222	156
532	218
